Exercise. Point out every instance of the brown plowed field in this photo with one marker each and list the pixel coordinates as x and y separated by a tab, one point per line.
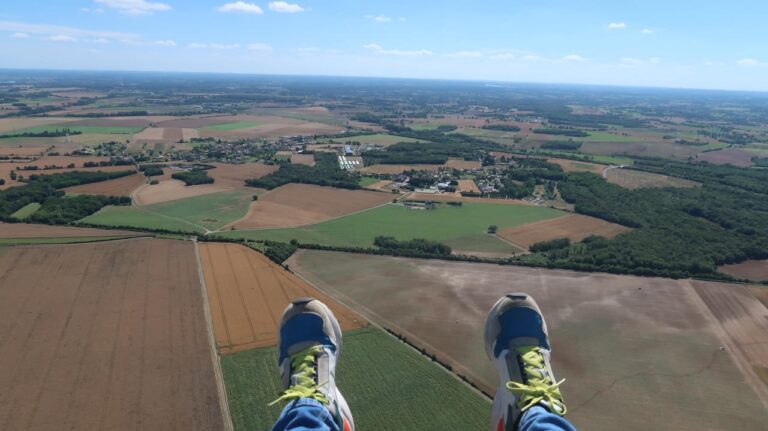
459	198
756	270
247	293
631	179
120	187
463	164
108	336
577	166
303	159
11	124
730	156
234	176
638	353
62	161
574	227
303	204
171	190
468	186
24	230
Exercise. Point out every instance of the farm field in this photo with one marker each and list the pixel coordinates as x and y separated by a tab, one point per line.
171	190
235	125
756	270
468	186
730	156
388	385
26	211
57	240
615	338
574	227
576	166
397	169
62	161
231	175
378	139
462	164
632	179
463	228
211	211
109	336
12	125
139	218
86	130
24	230
302	204
303	159
247	294
368	181
118	187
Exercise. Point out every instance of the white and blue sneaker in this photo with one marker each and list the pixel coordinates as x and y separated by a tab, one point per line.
310	344
516	341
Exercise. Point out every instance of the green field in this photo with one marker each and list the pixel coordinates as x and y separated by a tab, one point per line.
596	158
463	228
237	125
367	181
57	240
26	211
607	137
388	386
378	139
198	213
86	130
135	217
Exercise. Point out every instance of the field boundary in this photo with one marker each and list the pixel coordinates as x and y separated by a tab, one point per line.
217	372
367	313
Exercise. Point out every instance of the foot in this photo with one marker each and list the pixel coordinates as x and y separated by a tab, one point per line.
310	344
516	341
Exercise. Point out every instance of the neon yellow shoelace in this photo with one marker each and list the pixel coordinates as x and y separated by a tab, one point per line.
305	386
540	387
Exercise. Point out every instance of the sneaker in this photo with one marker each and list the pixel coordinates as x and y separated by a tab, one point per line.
516	341
310	344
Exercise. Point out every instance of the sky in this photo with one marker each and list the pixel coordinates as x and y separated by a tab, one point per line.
681	43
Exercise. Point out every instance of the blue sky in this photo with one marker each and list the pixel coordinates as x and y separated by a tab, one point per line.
681	43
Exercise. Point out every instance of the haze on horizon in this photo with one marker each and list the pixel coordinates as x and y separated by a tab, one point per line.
687	44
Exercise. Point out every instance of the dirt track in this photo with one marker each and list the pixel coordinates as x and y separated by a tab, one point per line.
108	336
574	227
303	204
24	230
248	293
637	353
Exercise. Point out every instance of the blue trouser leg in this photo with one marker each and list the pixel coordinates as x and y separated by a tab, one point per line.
539	419
305	414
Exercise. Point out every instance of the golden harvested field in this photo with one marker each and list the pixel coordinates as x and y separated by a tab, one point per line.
626	345
303	204
468	186
247	293
632	179
574	227
577	166
150	134
303	159
171	190
234	176
119	187
24	230
60	161
8	125
105	336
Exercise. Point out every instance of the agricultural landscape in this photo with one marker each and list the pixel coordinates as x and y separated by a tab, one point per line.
151	235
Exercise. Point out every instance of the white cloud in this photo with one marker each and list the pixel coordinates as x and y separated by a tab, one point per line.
213	45
412	53
617	26
259	47
748	62
19	35
101	41
646	31
89	10
135	7
166	42
573	57
379	18
241	7
654	60
285	7
52	30
466	54
62	38
629	61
